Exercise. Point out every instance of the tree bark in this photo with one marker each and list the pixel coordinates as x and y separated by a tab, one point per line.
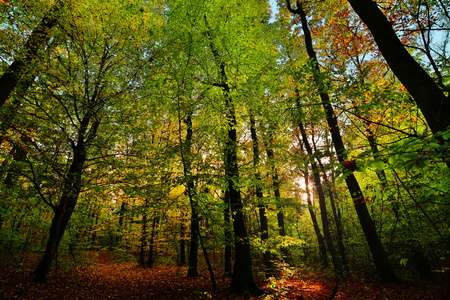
182	259
228	266
384	269
63	211
122	211
431	100
276	191
195	226
151	250
320	193
193	246
337	218
320	239
208	262
268	263
144	233
22	64
242	281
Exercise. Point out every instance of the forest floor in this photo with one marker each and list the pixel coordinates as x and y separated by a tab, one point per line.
105	279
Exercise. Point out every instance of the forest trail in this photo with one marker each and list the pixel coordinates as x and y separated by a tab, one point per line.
105	279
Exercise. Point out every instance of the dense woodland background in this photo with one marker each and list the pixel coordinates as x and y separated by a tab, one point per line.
239	136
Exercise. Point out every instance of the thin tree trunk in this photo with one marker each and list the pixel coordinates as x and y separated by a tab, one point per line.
268	263
123	209
95	215
384	268
144	237
228	266
182	260
193	246
151	251
208	263
195	226
276	191
337	218
320	193
320	239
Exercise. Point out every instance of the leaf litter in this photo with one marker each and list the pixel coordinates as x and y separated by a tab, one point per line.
107	280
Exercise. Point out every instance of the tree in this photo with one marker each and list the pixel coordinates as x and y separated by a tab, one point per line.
23	63
431	100
228	56
276	191
138	120
268	263
242	278
381	260
190	188
78	112
321	194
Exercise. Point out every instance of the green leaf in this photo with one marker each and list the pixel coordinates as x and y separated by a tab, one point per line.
446	136
379	165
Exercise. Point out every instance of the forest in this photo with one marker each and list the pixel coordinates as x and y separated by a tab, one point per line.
224	149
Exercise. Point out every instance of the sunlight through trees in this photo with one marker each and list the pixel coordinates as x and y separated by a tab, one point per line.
246	138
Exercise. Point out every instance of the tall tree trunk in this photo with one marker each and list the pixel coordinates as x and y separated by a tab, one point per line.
320	193
193	246
63	211
190	185
339	231
22	64
431	100
228	266
151	250
276	191
268	263
384	268
208	262
95	216
144	233
122	211
336	215
242	280
182	259
320	239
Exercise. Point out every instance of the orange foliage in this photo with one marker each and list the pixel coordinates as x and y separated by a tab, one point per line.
108	280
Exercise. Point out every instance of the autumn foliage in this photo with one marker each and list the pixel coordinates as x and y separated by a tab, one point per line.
283	143
350	165
105	278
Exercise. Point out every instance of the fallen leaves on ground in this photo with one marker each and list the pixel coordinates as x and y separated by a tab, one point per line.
107	280
316	285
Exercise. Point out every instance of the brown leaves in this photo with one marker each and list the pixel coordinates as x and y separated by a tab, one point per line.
107	280
314	285
110	281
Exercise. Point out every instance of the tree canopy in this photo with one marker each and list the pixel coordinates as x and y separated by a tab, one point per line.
259	135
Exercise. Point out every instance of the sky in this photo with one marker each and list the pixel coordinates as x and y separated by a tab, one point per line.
274	8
